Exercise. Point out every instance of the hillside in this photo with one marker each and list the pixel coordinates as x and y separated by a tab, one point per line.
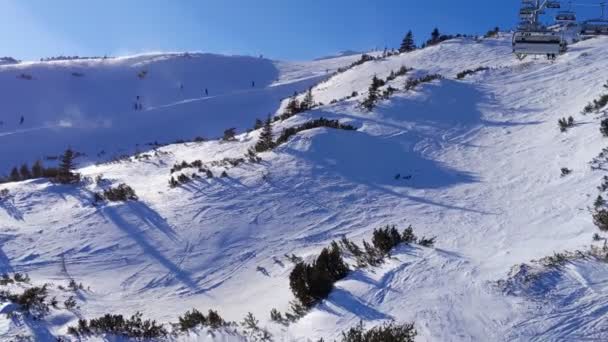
475	162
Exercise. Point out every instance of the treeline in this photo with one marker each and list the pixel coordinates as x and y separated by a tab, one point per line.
62	174
71	58
468	72
266	143
374	94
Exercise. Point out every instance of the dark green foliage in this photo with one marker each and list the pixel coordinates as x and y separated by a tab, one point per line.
308	102
173	183
229	134
183	179
311	283
133	327
224	174
265	142
276	316
364	58
565	171
597	104
14	176
64	173
37	169
387	238
426	242
194	318
70	303
31	301
564	123
25	172
121	193
321	122
390	332
408	235
258	124
372	95
434	37
467	72
413	83
604	127
492	33
408	43
21	278
597	237
50	172
600	219
197	164
599	201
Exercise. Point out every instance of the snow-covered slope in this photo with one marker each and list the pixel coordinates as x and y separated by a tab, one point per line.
478	162
90	103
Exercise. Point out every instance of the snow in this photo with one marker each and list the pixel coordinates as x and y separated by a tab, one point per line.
479	161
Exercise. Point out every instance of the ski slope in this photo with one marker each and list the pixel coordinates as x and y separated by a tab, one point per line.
479	162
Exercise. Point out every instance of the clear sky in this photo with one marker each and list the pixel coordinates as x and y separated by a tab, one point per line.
282	29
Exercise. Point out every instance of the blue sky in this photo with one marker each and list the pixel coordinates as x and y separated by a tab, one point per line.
282	29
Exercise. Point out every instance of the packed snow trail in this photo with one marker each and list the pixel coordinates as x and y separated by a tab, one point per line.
479	163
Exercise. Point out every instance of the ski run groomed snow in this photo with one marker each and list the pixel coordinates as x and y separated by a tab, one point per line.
480	161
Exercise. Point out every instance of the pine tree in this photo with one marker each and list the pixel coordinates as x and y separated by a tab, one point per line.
293	107
230	134
435	36
37	169
65	174
308	102
258	124
408	44
265	143
14	177
25	172
372	96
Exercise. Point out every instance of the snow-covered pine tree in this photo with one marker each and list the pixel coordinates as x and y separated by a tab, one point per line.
308	102
408	43
265	143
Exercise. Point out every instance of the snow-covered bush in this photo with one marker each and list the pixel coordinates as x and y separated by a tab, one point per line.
229	134
600	219
564	123
467	72
604	127
321	122
134	327
121	193
311	283
194	318
390	332
31	302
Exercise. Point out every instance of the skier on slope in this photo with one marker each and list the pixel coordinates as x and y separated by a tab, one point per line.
206	92
22	120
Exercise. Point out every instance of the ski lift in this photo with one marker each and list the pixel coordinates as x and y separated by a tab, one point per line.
595	27
553	5
565	17
538	42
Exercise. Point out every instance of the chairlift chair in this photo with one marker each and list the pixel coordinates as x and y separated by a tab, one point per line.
539	42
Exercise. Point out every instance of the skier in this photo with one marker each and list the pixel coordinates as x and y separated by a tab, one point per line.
22	119
206	92
252	84
181	86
